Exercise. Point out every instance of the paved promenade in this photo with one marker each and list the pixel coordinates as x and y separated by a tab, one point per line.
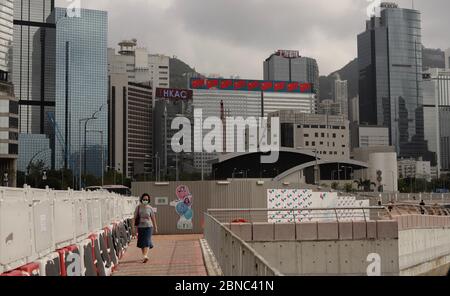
173	255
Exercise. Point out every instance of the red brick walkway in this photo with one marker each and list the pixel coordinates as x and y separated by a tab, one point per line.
173	255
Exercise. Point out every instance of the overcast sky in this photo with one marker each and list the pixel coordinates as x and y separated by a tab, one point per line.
233	37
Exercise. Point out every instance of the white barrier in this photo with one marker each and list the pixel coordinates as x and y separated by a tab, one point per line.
34	223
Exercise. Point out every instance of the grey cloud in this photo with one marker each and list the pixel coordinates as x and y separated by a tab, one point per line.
234	36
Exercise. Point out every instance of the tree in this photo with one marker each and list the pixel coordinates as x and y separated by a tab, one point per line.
364	185
335	186
348	187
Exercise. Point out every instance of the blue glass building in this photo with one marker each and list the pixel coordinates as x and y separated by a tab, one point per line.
81	91
33	73
390	78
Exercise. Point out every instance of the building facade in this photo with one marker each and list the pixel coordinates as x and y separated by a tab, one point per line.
130	135
414	169
34	48
329	107
6	36
140	66
436	87
246	98
340	93
447	58
171	103
81	92
9	133
372	136
287	65
390	80
328	135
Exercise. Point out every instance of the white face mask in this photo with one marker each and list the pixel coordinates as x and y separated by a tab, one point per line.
145	202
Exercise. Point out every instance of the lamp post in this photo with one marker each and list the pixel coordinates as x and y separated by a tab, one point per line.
31	161
5	180
44	178
103	153
86	121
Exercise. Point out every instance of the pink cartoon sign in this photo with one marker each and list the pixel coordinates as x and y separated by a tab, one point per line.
183	207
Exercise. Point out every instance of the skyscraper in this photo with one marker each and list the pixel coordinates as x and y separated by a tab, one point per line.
447	58
288	65
6	34
9	122
436	87
82	91
34	71
390	80
139	65
340	93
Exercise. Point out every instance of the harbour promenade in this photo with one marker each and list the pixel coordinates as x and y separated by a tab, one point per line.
173	255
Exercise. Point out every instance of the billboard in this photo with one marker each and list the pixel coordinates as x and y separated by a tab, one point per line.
174	94
251	85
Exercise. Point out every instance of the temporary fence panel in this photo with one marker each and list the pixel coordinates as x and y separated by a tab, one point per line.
50	265
34	223
64	213
81	218
15	233
43	227
87	259
94	215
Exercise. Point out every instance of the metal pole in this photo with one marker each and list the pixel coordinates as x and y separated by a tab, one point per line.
103	160
176	164
202	166
79	155
84	156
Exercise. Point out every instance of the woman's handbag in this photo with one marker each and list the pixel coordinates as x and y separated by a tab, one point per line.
137	218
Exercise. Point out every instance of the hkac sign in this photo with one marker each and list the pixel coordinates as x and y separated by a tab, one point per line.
174	94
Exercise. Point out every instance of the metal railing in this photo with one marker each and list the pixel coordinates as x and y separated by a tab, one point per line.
235	257
343	214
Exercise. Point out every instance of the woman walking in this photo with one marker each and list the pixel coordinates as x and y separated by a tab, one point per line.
145	221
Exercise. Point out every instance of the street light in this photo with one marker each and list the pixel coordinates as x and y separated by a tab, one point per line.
5	180
31	161
86	121
103	156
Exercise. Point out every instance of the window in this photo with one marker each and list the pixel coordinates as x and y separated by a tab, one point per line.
314	126
317	135
323	135
13	122
306	135
306	143
322	126
321	143
313	144
343	146
163	67
334	136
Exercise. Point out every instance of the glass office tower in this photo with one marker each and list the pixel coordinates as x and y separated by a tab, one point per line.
6	34
34	72
81	91
390	77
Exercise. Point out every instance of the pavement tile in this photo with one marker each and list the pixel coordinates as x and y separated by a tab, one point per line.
173	255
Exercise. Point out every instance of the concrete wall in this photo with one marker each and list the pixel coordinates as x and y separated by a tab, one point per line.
343	258
423	251
327	248
206	195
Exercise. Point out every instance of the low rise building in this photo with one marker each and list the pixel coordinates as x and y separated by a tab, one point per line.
327	135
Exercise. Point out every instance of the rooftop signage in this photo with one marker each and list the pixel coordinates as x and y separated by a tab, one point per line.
174	94
251	85
288	53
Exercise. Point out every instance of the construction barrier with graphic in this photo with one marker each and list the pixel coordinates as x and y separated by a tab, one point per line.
63	233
